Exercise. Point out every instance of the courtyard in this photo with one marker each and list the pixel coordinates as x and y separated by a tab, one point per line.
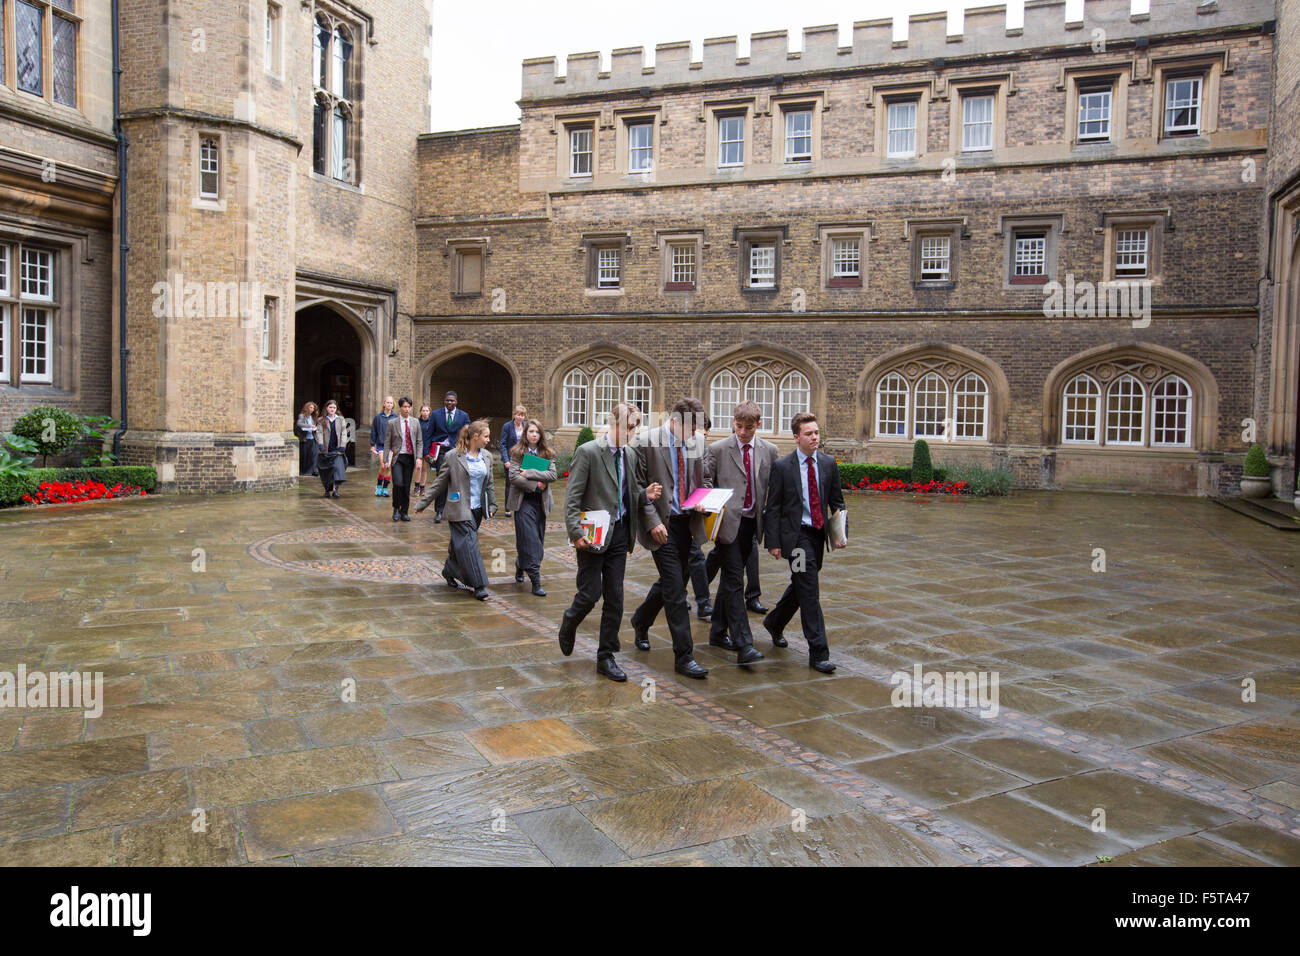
287	680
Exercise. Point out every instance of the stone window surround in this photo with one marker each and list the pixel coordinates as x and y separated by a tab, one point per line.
879	98
273	360
8	54
1211	66
1002	88
69	251
1156	221
588	249
664	239
196	150
711	113
590	361
862	230
952	363
743	361
623	118
357	30
813	101
1053	224
916	229
743	238
564	124
453	250
1119	75
275	66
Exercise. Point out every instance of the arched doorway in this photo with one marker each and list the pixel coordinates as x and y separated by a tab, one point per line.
328	365
484	387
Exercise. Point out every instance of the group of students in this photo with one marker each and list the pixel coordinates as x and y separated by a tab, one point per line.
643	482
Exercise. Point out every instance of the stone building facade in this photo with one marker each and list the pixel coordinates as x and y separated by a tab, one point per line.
1067	248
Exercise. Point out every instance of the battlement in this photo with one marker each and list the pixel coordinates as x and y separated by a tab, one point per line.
930	36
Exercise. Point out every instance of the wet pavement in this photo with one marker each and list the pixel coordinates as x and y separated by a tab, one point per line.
287	680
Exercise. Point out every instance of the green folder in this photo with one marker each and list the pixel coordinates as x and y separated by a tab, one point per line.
535	463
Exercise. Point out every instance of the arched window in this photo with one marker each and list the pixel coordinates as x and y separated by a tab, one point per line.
575	398
970	408
931	406
891	407
636	390
761	390
604	396
724	396
1125	411
333	147
1080	410
1171	412
796	397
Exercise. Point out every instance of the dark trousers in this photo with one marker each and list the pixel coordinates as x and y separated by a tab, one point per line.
713	565
669	593
464	559
332	466
699	573
403	470
530	534
441	501
804	594
307	449
729	609
600	577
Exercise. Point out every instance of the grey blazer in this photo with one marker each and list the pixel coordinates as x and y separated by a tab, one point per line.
521	480
454	479
592	487
724	467
394	443
653	455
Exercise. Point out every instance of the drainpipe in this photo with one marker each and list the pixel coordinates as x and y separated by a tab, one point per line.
123	246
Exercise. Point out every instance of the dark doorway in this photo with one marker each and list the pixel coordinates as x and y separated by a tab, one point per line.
327	365
485	389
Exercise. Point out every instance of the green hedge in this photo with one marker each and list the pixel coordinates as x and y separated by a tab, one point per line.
13	487
852	472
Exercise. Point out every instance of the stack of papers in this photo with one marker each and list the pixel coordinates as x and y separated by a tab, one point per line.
713	499
595	527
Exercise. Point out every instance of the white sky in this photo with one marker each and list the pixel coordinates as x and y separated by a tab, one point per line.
478	50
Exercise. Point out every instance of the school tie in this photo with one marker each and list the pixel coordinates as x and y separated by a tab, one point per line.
814	499
618	478
682	480
406	426
749	481
449	419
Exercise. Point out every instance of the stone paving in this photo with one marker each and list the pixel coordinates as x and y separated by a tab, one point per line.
288	681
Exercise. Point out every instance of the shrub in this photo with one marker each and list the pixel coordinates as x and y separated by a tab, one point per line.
52	429
585	436
982	481
1256	462
851	473
922	469
13	487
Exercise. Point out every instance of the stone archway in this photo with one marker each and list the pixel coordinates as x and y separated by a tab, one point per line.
334	358
485	387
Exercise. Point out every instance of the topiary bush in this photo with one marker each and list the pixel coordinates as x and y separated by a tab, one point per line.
922	469
585	435
51	429
1256	462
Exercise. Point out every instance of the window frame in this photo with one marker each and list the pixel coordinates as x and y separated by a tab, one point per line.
1154	222
216	194
56	301
572	132
714	114
881	97
830	233
749	239
1210	66
1001	88
1011	228
969	98
668	241
336	107
274	40
49	15
788	114
592	247
1170	82
890	103
457	251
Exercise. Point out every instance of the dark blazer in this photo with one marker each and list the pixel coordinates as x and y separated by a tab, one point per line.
592	487
455	477
520	481
509	438
426	425
378	428
655	464
784	509
394	441
724	467
442	435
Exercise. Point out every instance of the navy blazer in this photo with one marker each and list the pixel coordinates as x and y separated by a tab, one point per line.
509	438
442	435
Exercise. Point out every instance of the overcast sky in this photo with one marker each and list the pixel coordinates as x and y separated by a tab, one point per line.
478	49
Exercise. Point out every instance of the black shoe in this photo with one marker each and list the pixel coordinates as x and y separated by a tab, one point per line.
396	516
692	669
749	654
640	638
328	495
568	634
756	607
609	667
725	642
508	513
778	640
449	578
334	493
519	575
539	590
405	517
437	517
705	612
481	593
826	667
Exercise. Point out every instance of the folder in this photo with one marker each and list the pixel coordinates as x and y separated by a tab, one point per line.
595	528
713	499
838	527
535	463
713	522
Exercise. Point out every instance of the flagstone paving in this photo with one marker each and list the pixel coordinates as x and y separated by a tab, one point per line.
288	680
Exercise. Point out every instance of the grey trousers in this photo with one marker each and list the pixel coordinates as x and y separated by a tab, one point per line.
464	560
530	534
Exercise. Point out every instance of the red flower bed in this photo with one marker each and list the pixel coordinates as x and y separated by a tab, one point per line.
65	492
894	486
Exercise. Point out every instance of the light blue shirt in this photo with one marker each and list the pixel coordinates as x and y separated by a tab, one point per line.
803	484
672	463
478	472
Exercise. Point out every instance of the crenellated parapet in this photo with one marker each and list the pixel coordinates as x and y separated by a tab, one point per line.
981	31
